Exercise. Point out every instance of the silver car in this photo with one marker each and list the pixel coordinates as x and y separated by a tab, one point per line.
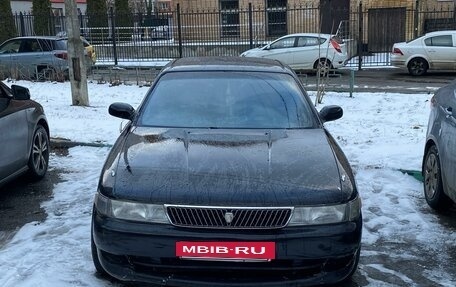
34	57
433	51
24	135
439	162
305	51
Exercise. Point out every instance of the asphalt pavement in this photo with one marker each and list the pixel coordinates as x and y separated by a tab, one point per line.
380	80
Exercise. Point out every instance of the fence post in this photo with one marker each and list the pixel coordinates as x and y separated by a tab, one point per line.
250	25
113	35
81	25
415	22
360	36
21	19
179	30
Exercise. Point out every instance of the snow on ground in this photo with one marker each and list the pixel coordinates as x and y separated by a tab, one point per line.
380	133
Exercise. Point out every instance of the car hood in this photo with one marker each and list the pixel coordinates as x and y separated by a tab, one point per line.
228	168
253	51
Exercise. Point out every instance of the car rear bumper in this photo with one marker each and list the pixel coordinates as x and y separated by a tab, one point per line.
398	61
305	256
339	62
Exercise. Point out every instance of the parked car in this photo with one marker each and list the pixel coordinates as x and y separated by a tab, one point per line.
433	51
305	52
24	135
89	50
37	57
226	174
439	161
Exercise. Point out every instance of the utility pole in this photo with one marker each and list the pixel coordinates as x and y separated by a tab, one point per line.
76	61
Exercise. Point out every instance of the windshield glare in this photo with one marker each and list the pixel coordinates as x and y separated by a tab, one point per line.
253	100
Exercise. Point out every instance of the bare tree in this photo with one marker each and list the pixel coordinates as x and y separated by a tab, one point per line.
77	71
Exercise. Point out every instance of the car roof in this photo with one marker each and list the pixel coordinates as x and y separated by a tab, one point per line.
441	32
227	63
308	34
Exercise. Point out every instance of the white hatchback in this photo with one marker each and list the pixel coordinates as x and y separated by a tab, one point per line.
433	51
305	51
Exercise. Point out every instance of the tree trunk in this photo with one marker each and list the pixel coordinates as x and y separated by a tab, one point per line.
76	58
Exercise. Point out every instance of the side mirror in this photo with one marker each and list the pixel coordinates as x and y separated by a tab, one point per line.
267	47
122	110
20	93
331	113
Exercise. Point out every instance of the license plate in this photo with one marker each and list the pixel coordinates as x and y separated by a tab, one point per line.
226	250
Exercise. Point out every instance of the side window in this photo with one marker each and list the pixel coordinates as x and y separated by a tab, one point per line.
45	45
10	47
30	46
309	41
440	41
284	43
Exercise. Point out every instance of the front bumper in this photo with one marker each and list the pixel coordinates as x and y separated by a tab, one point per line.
131	251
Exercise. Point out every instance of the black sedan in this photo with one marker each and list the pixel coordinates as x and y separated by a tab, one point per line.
225	175
439	161
24	135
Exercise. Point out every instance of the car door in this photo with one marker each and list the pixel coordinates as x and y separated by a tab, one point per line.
31	55
448	139
441	51
8	56
14	133
308	51
281	50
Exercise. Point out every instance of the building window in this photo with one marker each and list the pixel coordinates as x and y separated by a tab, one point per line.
163	6
276	17
229	18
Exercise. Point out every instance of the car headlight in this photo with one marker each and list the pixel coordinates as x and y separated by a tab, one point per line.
327	214
127	210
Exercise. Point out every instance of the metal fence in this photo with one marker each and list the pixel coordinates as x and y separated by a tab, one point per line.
368	31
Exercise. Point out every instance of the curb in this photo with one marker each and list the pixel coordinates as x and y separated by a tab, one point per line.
66	143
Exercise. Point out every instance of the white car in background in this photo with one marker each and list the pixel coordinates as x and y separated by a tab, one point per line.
433	51
305	51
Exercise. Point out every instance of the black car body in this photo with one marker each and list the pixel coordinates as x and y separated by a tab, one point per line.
24	135
439	161
226	176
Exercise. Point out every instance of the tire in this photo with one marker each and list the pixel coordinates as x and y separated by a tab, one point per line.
418	67
323	66
39	154
433	186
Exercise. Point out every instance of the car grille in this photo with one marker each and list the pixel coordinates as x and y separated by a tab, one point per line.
228	217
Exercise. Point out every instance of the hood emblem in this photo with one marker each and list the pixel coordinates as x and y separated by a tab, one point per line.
229	217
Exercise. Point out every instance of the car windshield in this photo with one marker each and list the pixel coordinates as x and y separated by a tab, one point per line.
226	100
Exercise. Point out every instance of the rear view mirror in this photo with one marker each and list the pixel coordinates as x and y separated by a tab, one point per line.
122	110
331	113
20	93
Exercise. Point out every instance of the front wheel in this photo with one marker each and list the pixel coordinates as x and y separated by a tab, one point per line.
433	186
39	155
418	67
